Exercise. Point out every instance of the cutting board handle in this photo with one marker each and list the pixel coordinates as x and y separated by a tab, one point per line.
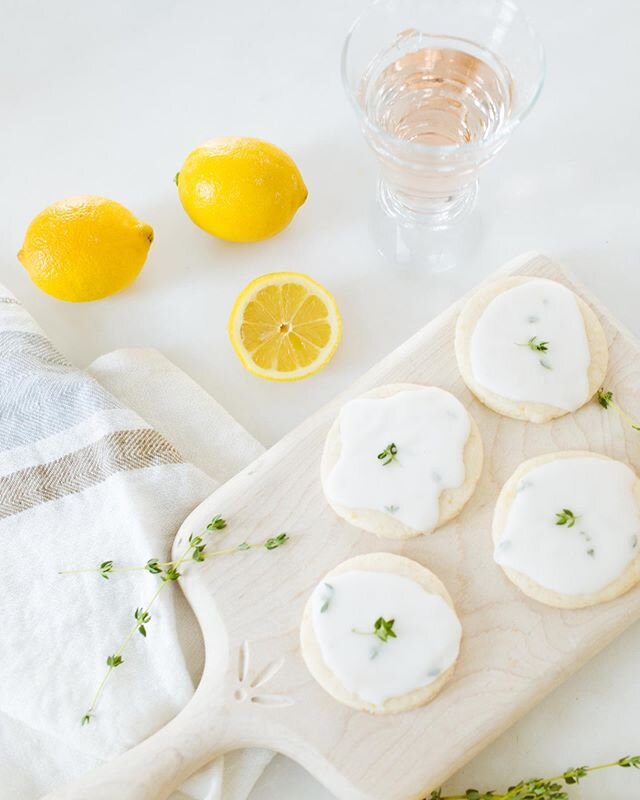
160	764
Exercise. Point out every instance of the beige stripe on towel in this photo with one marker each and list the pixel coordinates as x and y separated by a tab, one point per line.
116	452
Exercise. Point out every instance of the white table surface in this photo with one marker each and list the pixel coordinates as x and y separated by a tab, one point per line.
108	98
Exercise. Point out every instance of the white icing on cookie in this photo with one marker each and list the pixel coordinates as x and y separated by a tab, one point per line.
574	525
423	432
427	633
530	345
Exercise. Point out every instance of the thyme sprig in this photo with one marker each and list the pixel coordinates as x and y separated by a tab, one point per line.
168	572
168	569
115	660
535	345
605	399
382	628
566	517
388	454
539	788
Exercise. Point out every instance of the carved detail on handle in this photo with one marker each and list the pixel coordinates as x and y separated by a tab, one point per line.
245	691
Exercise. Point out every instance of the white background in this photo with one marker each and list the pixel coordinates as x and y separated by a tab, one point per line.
108	98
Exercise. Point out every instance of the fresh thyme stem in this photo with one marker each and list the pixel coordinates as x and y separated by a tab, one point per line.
168	571
114	569
539	788
116	659
166	564
605	399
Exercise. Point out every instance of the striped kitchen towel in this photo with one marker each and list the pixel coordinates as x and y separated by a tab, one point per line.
85	478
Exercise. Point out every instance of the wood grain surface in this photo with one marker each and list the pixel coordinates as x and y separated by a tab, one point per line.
255	688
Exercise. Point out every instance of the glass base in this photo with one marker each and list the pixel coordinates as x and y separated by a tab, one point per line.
426	241
430	212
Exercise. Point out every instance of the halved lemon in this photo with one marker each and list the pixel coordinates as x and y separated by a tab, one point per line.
284	326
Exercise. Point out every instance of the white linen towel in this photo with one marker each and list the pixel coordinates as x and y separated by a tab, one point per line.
84	477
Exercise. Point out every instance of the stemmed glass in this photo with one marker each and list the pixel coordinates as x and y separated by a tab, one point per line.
438	87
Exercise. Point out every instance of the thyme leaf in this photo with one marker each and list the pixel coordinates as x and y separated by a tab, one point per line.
388	454
382	628
566	517
105	568
605	399
327	601
142	617
535	345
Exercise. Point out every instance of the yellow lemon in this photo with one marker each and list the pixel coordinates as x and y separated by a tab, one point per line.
284	326
85	248
240	189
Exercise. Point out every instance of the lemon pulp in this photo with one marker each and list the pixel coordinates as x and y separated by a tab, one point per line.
284	326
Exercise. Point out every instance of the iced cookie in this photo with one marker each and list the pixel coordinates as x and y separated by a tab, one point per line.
529	348
566	529
380	634
401	460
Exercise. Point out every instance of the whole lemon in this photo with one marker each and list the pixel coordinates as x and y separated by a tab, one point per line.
240	189
84	248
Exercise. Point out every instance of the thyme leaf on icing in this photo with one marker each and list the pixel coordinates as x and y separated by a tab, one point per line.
566	517
391	509
535	345
328	598
539	788
382	628
388	454
605	399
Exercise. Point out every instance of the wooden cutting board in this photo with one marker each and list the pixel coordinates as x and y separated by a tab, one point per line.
256	690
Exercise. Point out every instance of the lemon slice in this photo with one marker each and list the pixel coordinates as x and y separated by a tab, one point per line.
284	326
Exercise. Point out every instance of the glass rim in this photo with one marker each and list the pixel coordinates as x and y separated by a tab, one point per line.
444	149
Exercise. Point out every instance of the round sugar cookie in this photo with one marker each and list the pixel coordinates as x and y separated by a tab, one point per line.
361	670
519	338
408	496
563	542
